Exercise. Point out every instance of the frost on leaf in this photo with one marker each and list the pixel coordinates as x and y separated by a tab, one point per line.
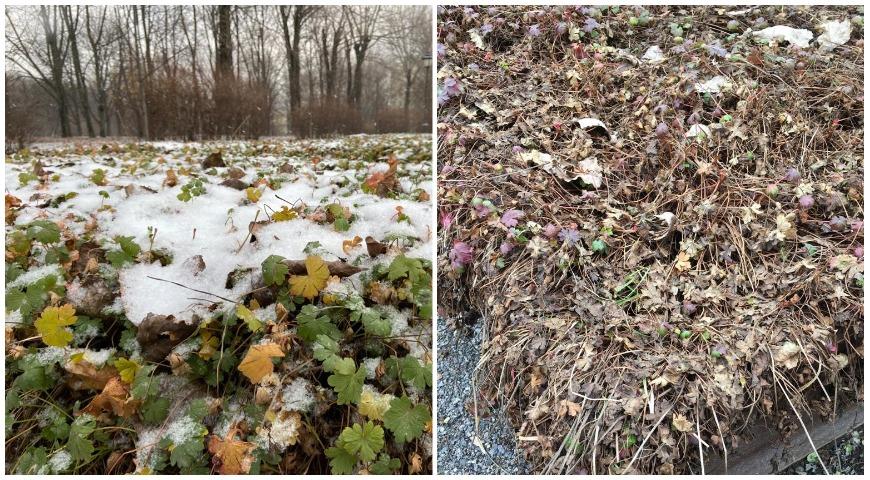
285	428
373	404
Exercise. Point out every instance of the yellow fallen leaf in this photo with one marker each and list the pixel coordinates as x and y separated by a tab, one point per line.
310	285
253	194
171	178
254	324
210	343
373	404
127	369
283	215
52	325
258	362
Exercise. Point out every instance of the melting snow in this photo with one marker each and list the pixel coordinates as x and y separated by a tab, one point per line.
60	461
215	224
298	396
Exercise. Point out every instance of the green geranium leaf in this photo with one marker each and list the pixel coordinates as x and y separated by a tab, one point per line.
374	324
326	350
79	445
155	410
385	465
341	461
311	325
364	441
43	231
405	420
403	266
274	270
347	381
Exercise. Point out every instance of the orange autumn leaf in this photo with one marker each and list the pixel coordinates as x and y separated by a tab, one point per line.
115	398
12	203
85	376
171	179
382	183
258	362
349	245
233	455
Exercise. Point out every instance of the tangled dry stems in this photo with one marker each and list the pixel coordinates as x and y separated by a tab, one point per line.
596	379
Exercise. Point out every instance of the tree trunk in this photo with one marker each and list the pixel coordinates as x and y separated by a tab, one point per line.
224	73
350	88
359	51
56	60
81	86
409	79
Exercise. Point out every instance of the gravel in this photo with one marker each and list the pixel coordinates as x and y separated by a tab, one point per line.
843	456
458	353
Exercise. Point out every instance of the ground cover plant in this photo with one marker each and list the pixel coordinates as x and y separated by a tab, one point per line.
222	307
658	214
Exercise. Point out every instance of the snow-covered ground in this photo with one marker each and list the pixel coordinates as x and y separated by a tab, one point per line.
136	201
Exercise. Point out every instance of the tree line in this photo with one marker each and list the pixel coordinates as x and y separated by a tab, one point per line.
197	72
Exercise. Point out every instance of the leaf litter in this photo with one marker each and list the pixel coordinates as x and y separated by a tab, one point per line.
210	307
690	269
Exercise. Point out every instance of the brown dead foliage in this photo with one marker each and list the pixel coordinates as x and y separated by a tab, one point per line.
641	285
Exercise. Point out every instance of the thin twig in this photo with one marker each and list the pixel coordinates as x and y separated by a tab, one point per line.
193	289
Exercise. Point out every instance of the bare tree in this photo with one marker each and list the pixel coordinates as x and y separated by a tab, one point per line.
363	22
100	45
71	20
221	70
330	35
44	65
299	14
409	41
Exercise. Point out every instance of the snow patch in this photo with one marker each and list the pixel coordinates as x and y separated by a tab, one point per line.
796	36
35	274
60	461
297	396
